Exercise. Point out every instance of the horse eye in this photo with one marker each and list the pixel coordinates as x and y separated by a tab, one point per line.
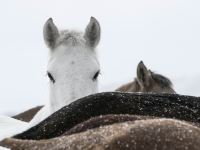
96	75
50	77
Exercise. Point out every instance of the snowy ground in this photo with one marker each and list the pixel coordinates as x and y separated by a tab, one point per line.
164	34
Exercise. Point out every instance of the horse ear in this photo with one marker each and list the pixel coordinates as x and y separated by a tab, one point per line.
50	33
143	75
92	33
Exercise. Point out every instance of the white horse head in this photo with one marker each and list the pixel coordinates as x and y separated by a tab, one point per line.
73	70
73	67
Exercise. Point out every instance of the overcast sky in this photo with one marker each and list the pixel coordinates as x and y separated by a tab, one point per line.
165	34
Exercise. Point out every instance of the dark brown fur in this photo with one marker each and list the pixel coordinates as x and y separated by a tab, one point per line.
157	105
96	122
150	134
100	121
28	115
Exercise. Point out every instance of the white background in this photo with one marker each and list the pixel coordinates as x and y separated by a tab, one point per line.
165	34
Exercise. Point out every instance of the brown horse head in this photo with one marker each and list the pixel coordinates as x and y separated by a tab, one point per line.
148	81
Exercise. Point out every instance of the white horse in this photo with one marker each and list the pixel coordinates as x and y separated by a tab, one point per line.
73	70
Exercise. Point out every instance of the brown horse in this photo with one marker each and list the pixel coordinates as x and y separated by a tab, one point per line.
151	134
122	131
147	81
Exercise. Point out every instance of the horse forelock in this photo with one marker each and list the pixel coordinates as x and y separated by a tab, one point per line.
71	37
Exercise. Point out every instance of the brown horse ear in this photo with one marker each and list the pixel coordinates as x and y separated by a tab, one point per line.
50	33
92	33
143	75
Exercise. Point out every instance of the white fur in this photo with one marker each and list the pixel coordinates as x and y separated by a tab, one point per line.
73	64
73	67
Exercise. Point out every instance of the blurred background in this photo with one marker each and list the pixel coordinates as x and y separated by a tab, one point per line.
165	34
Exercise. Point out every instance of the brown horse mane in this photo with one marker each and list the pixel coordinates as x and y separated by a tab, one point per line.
161	80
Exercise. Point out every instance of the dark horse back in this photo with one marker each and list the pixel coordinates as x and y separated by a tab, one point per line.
158	105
